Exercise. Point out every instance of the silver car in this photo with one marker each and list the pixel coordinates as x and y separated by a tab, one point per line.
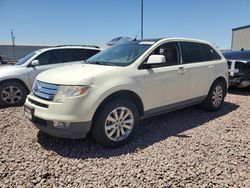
16	80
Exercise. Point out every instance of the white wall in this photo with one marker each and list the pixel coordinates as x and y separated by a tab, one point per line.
241	39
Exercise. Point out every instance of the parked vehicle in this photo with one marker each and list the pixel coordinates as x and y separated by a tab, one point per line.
118	40
2	59
239	68
114	89
16	80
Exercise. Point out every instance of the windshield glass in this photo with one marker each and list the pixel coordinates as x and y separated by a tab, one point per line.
25	59
240	55
120	55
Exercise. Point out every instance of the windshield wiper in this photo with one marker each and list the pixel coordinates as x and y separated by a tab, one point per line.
100	63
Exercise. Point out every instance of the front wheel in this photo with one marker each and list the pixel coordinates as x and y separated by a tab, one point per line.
115	123
215	97
12	94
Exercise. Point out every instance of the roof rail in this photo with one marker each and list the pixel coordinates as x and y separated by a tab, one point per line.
78	45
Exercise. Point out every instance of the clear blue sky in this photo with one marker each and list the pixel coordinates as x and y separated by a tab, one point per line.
44	22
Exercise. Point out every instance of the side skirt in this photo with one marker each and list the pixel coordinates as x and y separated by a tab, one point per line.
172	107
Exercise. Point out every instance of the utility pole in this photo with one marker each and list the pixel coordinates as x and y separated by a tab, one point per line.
13	44
141	19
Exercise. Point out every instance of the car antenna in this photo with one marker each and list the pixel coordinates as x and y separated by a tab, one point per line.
136	36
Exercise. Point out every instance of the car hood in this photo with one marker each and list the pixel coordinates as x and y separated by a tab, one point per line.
74	74
10	70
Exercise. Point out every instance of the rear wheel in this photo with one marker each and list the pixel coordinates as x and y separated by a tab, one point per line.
215	97
12	94
115	123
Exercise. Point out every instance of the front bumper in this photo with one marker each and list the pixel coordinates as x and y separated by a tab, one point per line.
240	82
234	81
76	109
44	113
73	131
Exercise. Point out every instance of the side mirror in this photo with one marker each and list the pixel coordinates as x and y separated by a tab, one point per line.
35	63
156	59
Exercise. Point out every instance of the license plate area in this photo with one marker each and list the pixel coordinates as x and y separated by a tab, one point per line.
28	112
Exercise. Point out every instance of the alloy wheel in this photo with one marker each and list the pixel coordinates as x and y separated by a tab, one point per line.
217	96
11	95
119	124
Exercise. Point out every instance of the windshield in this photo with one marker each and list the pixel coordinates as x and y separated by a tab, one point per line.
25	59
119	55
239	55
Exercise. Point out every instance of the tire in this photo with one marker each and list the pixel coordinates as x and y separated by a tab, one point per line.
215	97
106	126
12	94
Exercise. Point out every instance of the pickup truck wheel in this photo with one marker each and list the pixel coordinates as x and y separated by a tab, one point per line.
12	94
215	97
115	123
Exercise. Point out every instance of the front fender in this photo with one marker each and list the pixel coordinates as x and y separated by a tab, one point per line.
98	93
12	73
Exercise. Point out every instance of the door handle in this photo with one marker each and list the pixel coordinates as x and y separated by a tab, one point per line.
182	70
210	66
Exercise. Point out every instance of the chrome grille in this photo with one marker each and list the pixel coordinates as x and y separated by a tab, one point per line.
44	90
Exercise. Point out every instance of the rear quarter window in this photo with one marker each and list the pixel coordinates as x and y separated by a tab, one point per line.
211	53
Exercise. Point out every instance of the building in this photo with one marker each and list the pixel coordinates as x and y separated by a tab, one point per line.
241	38
20	51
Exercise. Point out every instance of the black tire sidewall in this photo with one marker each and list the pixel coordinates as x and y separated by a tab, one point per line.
98	129
208	103
20	86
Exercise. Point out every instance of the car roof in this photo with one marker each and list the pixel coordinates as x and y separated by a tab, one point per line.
69	47
171	39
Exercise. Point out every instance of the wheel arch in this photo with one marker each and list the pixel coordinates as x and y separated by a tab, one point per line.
223	80
125	94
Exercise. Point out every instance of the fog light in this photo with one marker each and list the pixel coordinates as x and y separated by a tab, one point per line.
61	125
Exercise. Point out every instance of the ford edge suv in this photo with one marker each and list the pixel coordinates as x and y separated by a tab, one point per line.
109	93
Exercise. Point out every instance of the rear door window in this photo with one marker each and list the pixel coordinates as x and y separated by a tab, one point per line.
193	52
73	55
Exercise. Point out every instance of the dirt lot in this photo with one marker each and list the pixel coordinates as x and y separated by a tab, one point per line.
186	148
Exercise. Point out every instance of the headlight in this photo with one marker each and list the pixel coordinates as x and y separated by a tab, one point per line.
64	92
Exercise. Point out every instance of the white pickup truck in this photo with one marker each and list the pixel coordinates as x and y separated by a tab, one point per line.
109	93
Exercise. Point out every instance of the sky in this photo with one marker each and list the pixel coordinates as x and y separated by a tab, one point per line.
53	22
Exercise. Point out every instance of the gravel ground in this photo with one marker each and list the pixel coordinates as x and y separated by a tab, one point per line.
186	148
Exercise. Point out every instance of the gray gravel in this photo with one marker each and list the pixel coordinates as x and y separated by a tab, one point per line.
186	148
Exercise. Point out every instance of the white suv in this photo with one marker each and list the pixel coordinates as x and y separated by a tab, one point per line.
16	80
114	89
